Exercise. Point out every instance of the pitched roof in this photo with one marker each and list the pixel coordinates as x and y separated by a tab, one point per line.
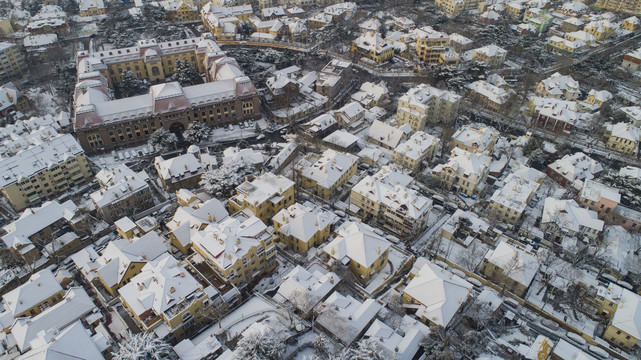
439	292
39	287
357	242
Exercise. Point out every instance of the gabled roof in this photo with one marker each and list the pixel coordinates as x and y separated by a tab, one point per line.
627	317
119	254
40	286
439	292
301	222
516	263
357	242
73	342
75	305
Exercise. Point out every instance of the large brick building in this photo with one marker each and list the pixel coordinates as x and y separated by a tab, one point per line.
102	123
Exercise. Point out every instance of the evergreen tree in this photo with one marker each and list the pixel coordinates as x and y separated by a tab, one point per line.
130	85
163	138
197	132
186	74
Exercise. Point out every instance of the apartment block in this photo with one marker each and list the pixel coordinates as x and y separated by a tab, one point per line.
42	171
423	104
123	193
397	207
324	174
12	62
239	249
263	197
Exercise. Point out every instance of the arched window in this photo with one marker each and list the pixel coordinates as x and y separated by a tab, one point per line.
155	71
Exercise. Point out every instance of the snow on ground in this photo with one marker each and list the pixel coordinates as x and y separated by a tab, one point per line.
250	312
273	280
224	134
43	100
397	260
468	258
582	322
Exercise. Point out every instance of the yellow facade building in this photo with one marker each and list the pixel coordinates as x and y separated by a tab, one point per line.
33	297
123	259
43	171
631	7
239	249
263	197
12	61
423	104
366	254
624	329
510	267
324	174
301	228
372	46
411	154
465	172
623	137
92	7
166	299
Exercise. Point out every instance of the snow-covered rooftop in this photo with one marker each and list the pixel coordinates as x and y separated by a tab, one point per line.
75	305
301	222
569	216
417	145
519	265
577	166
119	254
304	289
439	293
345	317
357	242
401	343
329	168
